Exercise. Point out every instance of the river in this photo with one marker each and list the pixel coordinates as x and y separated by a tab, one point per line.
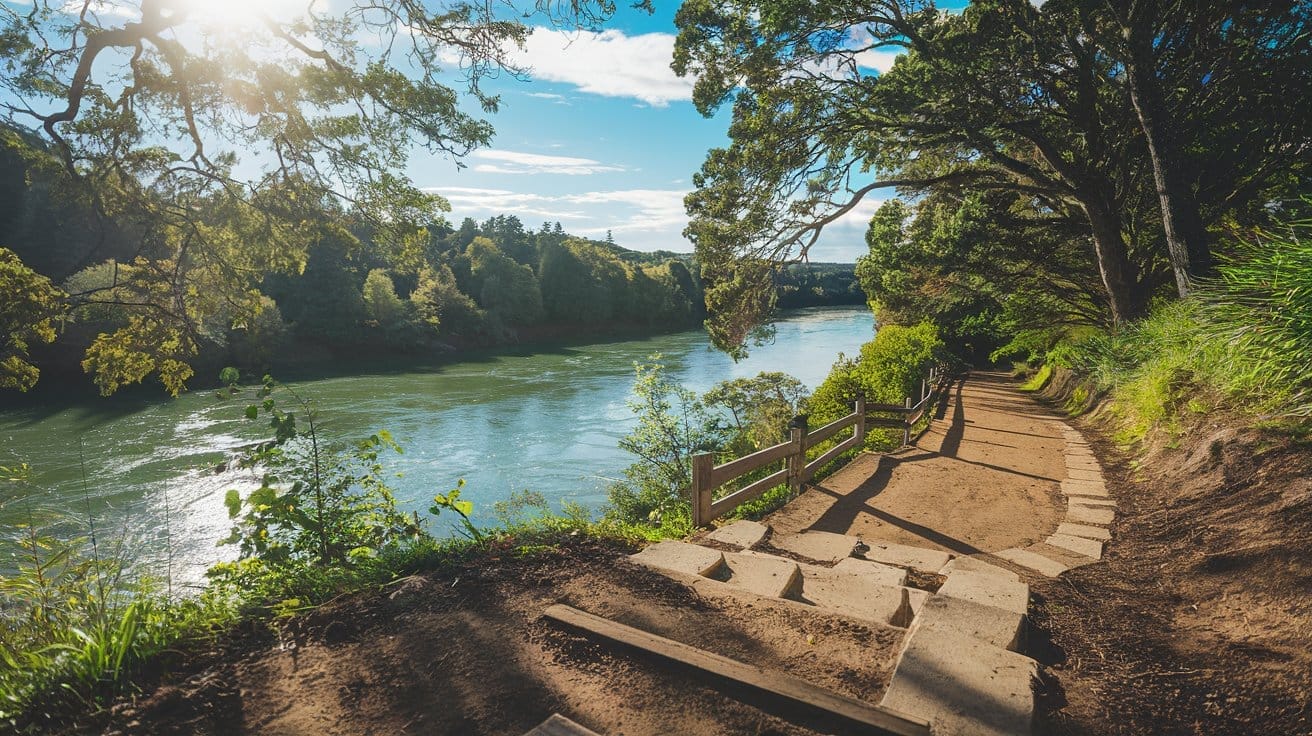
547	420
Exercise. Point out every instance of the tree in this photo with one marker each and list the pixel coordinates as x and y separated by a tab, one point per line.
148	116
31	305
380	300
1000	97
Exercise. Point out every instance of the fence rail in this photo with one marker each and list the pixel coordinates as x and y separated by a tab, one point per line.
707	477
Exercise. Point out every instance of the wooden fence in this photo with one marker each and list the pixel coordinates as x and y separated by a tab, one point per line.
707	477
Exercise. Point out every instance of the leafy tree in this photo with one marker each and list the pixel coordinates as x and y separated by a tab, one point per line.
441	305
887	370
1000	97
673	425
381	303
503	287
30	308
156	120
758	408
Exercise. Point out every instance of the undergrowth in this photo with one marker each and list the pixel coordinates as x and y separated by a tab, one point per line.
1241	341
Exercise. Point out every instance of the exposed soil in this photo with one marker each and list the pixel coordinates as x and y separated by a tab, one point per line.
1200	619
465	651
983	478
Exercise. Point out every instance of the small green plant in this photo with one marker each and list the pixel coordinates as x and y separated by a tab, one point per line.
450	501
319	501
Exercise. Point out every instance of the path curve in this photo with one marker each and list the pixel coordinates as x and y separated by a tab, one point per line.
985	477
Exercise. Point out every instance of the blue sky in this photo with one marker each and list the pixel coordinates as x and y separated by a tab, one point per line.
602	137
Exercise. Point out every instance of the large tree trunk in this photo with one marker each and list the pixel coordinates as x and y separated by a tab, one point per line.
1186	239
1120	277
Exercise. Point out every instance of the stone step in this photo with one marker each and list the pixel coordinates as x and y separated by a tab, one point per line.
997	626
963	685
1062	555
1079	545
854	595
818	546
901	555
1084	515
1084	488
1084	530
972	564
742	534
1079	474
681	557
1033	561
1091	502
987	590
765	575
875	572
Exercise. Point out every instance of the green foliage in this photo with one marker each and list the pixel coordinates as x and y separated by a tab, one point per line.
451	501
1261	307
673	425
888	369
758	409
381	304
31	306
318	502
1242	340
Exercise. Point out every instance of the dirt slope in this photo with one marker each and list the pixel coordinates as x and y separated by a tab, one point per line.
464	651
1200	620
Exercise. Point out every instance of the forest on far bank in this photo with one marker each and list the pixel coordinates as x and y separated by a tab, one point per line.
452	289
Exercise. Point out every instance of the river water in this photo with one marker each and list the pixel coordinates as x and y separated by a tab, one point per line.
547	420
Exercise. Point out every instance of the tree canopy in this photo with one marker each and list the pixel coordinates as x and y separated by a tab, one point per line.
1133	128
213	143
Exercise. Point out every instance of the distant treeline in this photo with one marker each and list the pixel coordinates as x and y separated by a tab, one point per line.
357	293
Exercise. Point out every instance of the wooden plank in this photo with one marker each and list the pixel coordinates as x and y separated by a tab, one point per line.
885	407
558	725
748	492
829	430
724	473
829	455
767	681
702	489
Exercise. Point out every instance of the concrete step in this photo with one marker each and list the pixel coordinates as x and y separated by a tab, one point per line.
680	557
873	571
818	546
1079	545
1084	488
1069	558
1077	514
742	534
901	555
1091	502
972	564
766	575
855	596
987	590
996	626
1085	530
1079	474
963	685
1033	561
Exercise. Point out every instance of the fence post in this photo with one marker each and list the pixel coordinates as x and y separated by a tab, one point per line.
701	488
906	424
797	430
924	391
860	421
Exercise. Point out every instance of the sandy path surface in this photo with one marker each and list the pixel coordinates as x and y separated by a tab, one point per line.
984	477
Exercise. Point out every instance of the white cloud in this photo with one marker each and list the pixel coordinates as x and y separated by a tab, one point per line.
650	210
607	63
876	59
519	162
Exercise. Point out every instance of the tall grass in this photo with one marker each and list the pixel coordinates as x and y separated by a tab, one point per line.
1242	341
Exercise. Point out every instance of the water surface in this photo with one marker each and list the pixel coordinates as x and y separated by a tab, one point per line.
547	420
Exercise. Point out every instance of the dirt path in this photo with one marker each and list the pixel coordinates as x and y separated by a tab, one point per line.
983	478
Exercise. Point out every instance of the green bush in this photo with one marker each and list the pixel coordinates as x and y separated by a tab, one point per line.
888	369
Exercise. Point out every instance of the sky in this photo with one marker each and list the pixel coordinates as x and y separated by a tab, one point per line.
602	137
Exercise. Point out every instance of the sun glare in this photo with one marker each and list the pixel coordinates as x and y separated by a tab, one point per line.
234	15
